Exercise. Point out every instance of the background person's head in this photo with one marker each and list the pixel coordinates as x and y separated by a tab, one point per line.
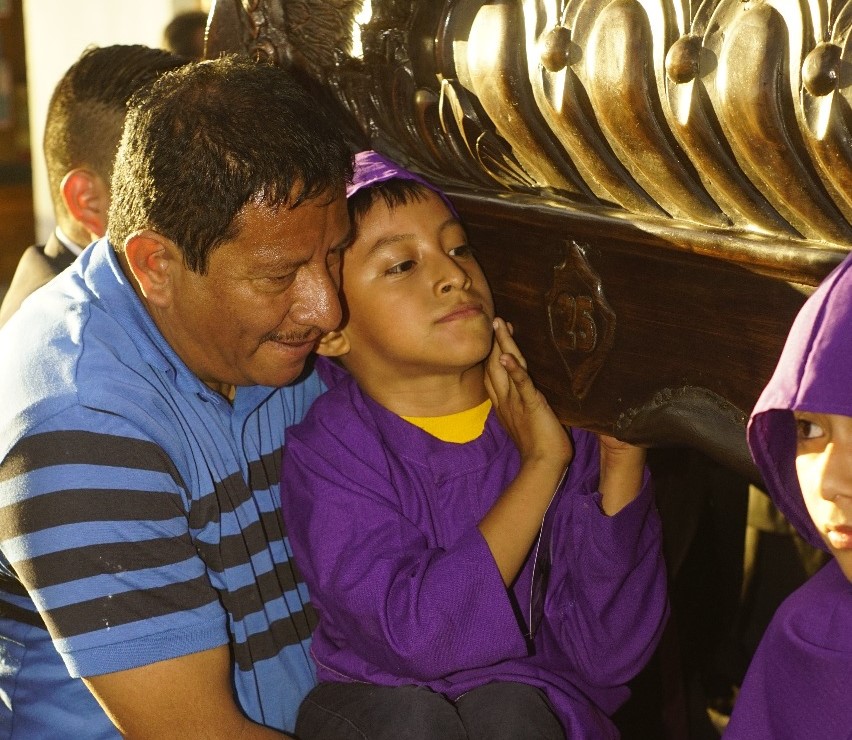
184	34
229	214
85	119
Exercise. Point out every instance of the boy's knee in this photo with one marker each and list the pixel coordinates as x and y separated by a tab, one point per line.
508	711
424	714
367	712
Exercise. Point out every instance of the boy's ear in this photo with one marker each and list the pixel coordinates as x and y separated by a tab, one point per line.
152	259
333	344
86	197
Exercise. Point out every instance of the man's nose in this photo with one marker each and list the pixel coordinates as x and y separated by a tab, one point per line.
318	301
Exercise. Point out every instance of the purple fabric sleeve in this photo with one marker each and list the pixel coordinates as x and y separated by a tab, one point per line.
607	603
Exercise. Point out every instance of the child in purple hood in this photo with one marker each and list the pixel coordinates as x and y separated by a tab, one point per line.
799	683
478	571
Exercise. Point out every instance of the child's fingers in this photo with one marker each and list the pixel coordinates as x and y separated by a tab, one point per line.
496	379
489	389
520	379
503	336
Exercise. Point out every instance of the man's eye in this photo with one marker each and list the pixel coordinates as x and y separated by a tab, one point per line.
336	254
807	429
400	267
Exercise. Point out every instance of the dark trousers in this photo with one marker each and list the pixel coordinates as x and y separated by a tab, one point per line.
359	711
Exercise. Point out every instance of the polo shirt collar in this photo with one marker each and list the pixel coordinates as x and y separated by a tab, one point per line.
114	290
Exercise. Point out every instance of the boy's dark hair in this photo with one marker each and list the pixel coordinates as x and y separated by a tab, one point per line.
206	139
86	112
396	191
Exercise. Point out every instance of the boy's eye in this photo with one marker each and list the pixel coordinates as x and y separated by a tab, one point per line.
400	267
807	429
464	251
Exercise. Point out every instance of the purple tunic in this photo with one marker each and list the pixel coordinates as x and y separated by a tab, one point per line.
382	518
799	683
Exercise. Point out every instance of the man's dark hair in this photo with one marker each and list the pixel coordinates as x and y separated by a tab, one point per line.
206	139
86	113
184	34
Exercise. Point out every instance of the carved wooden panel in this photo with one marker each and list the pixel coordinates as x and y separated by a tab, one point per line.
653	186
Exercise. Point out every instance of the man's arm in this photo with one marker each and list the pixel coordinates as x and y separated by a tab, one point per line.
188	697
95	527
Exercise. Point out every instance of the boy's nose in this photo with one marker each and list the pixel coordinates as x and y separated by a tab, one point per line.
454	277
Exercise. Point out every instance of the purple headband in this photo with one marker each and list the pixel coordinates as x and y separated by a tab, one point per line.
372	168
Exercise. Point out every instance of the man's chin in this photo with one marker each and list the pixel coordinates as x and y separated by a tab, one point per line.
286	373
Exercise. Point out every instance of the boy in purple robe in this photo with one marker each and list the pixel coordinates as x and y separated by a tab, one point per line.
799	683
478	571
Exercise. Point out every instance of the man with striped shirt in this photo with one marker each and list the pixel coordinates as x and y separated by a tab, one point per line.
145	581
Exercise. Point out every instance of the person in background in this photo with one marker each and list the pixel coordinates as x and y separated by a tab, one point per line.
146	588
478	571
799	683
184	34
85	117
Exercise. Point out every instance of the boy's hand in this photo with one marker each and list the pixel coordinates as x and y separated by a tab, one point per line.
521	407
622	472
512	523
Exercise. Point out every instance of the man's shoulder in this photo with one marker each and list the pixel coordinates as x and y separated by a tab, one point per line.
53	357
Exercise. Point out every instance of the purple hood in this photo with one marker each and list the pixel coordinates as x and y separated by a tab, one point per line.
813	374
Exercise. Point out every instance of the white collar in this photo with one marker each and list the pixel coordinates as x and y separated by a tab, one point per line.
71	246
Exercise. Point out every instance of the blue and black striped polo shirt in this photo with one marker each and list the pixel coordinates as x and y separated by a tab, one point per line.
139	512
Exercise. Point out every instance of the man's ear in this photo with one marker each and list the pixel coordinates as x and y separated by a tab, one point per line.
333	344
86	197
153	262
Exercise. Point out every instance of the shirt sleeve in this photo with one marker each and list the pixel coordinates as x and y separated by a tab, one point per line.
94	526
606	603
401	605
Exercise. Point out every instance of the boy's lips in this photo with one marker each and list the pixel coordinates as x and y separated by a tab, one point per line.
462	311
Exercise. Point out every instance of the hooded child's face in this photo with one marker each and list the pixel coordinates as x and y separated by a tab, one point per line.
824	468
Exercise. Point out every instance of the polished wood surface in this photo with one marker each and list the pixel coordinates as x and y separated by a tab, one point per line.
653	187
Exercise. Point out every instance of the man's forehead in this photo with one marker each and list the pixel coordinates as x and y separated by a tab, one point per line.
280	231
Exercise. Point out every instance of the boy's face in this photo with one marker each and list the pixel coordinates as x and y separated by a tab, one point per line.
418	304
824	467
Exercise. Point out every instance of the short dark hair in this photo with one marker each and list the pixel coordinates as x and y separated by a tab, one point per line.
86	112
183	33
396	191
208	138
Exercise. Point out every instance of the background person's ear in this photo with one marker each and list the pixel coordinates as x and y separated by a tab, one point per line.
333	344
86	197
152	260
